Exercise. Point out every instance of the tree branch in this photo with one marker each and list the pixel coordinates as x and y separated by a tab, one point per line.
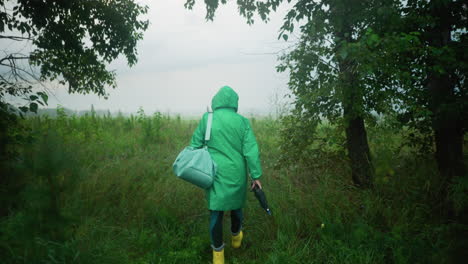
11	58
15	72
17	38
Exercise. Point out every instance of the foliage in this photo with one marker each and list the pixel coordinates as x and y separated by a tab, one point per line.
97	192
303	143
71	41
413	52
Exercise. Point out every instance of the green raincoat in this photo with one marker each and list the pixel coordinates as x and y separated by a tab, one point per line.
234	149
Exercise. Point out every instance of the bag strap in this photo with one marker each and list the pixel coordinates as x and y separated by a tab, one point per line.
208	127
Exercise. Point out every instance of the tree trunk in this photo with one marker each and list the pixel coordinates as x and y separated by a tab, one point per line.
358	152
446	116
362	171
447	128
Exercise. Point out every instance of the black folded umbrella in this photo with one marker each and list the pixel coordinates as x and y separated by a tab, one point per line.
261	198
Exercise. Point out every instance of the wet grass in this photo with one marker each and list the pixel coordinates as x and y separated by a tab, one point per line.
101	190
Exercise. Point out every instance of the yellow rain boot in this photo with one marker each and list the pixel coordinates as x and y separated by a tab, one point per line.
237	240
218	257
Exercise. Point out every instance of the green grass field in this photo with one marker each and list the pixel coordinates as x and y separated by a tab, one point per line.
101	190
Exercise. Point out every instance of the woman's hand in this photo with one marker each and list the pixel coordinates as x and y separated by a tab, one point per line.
256	182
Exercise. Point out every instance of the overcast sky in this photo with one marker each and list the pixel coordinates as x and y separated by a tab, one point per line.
184	60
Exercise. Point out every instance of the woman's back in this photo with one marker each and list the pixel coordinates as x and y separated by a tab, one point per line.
234	149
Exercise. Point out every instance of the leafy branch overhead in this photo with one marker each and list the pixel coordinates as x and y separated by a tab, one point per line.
71	42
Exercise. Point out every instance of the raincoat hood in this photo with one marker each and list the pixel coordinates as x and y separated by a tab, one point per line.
225	98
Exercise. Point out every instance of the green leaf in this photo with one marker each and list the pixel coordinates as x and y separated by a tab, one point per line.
44	97
33	97
33	107
23	109
285	37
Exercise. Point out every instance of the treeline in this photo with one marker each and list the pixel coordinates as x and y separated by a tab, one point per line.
52	112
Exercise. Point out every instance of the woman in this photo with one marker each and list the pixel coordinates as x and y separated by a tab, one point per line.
234	149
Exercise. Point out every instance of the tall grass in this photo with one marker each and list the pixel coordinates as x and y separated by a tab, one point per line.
101	190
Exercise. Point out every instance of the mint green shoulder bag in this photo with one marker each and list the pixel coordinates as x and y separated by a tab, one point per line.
196	165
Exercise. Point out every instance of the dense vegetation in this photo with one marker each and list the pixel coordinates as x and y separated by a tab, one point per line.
100	189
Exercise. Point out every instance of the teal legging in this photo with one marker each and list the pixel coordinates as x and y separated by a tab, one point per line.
216	226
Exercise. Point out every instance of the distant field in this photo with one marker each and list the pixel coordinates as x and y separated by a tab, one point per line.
100	189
